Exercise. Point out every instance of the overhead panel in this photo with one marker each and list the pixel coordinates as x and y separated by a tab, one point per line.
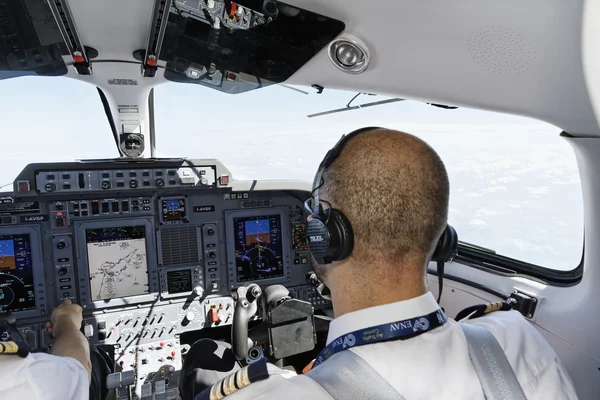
30	40
240	46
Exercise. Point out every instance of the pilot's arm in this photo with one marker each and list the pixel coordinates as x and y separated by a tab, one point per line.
68	340
62	375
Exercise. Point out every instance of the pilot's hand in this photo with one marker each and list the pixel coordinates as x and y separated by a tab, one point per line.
65	317
308	367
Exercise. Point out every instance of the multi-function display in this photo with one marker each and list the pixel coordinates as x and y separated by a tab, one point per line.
117	261
16	274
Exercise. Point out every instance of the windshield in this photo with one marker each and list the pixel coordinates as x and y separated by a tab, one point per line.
514	181
49	120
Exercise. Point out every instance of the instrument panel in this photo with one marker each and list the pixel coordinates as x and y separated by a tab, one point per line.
149	252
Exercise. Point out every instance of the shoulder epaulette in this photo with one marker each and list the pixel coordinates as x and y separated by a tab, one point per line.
478	310
241	378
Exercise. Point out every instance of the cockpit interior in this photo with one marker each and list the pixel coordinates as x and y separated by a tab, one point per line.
161	251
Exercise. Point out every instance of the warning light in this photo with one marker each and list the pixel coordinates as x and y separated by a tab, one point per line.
224	179
23	186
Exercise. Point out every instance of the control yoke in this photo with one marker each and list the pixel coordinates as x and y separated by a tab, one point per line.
245	308
288	326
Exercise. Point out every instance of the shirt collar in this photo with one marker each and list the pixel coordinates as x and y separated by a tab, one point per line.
373	316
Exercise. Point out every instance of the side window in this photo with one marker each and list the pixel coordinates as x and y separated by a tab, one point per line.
515	189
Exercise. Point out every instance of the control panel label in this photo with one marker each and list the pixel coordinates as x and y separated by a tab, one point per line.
24	207
34	218
6	200
199	209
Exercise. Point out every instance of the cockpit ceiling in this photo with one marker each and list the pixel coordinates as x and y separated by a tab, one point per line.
510	56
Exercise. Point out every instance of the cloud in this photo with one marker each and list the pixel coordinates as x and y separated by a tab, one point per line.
485	213
507	179
478	222
494	189
538	190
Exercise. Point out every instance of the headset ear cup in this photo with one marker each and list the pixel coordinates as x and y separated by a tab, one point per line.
341	240
317	238
447	245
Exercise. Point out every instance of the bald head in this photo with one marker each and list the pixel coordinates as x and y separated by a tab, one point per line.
394	189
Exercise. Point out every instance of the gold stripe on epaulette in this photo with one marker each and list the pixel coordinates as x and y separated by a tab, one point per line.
244	377
230	384
493	307
216	393
9	348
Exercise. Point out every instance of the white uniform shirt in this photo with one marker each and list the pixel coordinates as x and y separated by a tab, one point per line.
41	376
434	365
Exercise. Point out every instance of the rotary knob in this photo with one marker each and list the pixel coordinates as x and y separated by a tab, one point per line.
159	182
198	291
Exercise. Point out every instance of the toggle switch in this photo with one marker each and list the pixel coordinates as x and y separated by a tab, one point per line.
214	314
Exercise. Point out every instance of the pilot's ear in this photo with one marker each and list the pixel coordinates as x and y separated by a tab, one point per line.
309	218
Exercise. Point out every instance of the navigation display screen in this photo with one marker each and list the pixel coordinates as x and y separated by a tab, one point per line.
258	248
117	261
179	281
173	210
16	274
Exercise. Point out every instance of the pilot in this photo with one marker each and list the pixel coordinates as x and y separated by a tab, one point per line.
391	191
66	373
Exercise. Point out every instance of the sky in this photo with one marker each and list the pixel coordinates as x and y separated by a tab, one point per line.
514	182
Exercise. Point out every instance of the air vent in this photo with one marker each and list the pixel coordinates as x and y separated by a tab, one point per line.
179	245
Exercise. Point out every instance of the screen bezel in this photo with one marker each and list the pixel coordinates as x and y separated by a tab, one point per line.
37	265
285	245
83	271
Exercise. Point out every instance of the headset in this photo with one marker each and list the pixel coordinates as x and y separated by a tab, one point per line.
329	232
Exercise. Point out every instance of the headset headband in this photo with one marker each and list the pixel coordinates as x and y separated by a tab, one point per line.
329	158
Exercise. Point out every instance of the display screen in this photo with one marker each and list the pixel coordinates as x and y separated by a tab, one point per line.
173	210
300	237
16	274
117	261
179	281
258	248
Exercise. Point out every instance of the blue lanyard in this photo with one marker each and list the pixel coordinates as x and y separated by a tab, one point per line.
401	330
